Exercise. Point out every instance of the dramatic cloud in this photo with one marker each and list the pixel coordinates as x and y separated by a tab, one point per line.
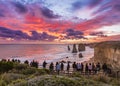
17	34
49	20
99	34
41	36
1	14
117	7
94	2
48	13
7	33
71	33
20	7
77	5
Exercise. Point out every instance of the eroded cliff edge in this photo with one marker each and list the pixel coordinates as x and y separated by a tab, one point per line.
108	52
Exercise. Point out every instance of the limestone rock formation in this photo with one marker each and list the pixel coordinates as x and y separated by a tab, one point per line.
68	48
80	55
74	49
108	52
81	47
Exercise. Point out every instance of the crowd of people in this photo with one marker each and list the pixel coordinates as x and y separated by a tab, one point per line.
90	68
87	68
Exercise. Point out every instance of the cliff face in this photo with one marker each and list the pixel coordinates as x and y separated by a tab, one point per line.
108	52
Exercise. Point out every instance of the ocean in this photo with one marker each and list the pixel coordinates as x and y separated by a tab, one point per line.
41	52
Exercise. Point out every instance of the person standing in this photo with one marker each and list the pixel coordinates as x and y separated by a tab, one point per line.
86	68
58	68
93	68
62	66
44	64
74	66
78	66
68	67
98	67
82	67
90	68
51	67
104	67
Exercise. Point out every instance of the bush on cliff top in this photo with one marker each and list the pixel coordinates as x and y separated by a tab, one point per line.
6	66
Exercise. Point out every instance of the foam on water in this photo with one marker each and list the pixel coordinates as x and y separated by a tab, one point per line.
59	57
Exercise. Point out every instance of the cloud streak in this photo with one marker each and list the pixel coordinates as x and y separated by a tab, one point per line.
19	35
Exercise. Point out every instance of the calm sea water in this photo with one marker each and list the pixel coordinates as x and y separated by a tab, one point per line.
41	52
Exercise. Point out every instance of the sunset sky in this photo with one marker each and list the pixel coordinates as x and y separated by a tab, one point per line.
59	21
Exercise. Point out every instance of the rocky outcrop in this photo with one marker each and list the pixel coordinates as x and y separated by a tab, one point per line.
81	47
80	55
74	49
68	48
108	52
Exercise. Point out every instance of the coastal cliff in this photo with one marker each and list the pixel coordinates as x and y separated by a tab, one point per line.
108	52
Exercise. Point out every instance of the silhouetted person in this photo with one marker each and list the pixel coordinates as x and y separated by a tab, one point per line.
86	68
3	60
62	66
18	61
8	60
93	68
34	64
44	64
26	62
68	66
51	67
104	67
82	67
74	66
98	67
13	60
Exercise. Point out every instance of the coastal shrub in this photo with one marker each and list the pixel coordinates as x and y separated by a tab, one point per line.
6	66
115	82
62	81
42	71
53	81
18	82
77	74
2	83
102	78
9	77
28	71
18	66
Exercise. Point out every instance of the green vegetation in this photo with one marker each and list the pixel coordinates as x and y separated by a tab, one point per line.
6	66
16	74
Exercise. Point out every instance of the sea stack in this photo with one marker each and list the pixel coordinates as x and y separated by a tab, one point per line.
68	48
80	55
81	47
74	49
